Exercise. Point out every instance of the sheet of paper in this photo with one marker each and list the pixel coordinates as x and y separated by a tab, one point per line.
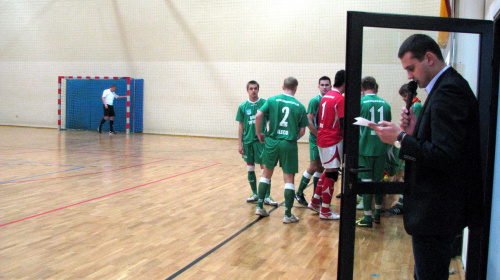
363	121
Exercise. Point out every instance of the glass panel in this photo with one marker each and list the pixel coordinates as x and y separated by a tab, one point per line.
384	250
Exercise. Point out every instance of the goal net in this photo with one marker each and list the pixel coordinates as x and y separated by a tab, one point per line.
80	103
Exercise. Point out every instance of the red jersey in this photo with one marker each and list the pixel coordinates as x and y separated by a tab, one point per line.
331	110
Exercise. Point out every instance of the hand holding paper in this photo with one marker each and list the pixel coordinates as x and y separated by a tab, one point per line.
364	122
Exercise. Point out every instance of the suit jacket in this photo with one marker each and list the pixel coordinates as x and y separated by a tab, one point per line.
443	183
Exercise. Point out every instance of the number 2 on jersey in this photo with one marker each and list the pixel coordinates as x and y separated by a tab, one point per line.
285	111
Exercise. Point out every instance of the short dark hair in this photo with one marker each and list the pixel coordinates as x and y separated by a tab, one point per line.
403	90
339	78
290	83
368	83
324	78
113	86
419	45
252	82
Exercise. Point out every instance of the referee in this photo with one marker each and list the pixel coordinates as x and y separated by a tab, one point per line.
108	96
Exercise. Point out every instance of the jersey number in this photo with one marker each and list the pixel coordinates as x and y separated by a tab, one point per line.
285	111
372	113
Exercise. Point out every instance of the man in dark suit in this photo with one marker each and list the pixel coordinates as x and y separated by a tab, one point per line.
443	189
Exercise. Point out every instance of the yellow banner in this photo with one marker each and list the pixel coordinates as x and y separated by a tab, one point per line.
445	11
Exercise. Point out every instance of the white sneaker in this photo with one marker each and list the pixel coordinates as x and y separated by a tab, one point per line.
291	219
314	207
270	201
253	198
360	205
330	215
261	212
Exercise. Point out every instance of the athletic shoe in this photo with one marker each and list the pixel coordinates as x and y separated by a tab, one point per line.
314	207
376	218
291	219
330	215
396	209
301	199
364	223
261	212
253	198
270	201
112	132
360	205
99	130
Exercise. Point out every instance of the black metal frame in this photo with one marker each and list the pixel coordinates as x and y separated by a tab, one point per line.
487	96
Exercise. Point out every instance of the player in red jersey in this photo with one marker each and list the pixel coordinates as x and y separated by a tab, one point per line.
330	144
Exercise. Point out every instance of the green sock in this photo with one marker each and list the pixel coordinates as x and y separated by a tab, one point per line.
262	193
379	198
315	182
289	197
252	179
303	184
367	202
268	193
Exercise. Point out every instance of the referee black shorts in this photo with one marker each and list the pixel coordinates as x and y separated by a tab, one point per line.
110	112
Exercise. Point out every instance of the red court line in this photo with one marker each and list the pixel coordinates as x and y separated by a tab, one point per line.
85	174
106	195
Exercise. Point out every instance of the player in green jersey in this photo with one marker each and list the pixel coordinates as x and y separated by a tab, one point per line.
315	167
372	151
248	143
287	122
416	106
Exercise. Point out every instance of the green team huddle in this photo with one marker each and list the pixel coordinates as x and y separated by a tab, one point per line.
268	134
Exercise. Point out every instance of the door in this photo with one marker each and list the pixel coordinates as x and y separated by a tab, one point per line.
364	31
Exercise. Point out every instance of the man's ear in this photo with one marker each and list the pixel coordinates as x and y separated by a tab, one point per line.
430	58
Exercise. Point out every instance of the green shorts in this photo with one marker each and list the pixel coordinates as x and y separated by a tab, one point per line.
377	166
313	149
286	152
253	152
392	163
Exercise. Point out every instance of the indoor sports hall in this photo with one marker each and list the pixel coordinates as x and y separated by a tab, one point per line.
164	197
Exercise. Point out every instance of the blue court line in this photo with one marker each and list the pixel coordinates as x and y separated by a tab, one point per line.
45	174
202	257
11	165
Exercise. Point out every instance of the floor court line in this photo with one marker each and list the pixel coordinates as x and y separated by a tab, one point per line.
104	196
39	175
191	264
109	154
85	174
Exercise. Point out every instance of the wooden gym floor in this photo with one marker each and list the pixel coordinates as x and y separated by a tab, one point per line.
83	205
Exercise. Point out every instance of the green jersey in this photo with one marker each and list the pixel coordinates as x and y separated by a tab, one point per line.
286	116
375	109
313	108
246	114
417	108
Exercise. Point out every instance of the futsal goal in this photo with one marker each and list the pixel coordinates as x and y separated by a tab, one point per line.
80	103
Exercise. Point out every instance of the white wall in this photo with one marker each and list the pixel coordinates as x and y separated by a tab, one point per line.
494	246
195	56
492	7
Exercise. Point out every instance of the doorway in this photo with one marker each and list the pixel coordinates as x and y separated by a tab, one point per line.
363	31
